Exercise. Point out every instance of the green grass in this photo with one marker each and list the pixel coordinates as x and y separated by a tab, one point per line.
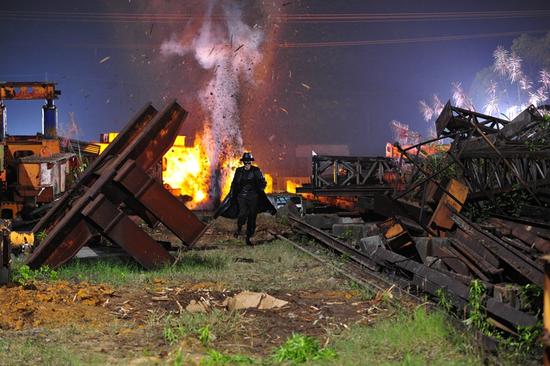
268	267
205	327
299	349
21	350
418	338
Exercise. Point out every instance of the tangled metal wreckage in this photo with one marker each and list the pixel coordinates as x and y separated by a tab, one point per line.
494	170
427	239
115	186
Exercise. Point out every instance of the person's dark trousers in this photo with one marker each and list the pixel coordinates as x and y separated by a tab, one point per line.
248	209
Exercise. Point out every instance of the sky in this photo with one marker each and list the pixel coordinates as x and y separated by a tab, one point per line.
329	82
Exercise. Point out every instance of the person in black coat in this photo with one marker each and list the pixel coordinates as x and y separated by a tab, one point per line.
246	198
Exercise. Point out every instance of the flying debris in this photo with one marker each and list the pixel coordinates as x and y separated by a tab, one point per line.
306	86
283	109
238	48
105	59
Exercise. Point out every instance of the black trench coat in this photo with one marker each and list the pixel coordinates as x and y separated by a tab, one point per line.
230	205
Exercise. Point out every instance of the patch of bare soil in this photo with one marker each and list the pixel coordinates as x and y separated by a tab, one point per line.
53	305
310	313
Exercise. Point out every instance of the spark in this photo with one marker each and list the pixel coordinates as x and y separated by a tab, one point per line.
460	98
501	57
426	110
545	78
514	68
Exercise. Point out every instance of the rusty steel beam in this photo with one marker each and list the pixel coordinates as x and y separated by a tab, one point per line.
157	200
525	267
118	228
117	183
28	90
424	277
125	136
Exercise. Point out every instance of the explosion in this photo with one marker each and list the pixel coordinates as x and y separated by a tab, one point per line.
228	50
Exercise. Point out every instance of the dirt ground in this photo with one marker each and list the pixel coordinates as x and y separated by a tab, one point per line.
128	319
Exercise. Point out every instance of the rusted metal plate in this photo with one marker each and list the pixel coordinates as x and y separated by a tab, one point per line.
79	236
102	201
118	228
163	205
446	205
127	135
28	91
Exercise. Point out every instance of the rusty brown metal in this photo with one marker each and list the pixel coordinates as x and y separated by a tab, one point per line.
117	183
28	91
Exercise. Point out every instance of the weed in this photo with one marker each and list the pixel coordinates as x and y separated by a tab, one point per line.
215	358
204	326
477	315
444	301
299	348
204	335
23	274
530	298
178	361
41	235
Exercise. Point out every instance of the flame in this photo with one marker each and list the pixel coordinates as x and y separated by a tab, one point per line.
186	171
291	186
269	186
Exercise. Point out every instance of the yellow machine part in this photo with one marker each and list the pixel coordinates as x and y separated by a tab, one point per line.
19	239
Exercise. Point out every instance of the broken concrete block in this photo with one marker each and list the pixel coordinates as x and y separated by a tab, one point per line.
322	221
423	247
371	243
258	300
352	232
351	220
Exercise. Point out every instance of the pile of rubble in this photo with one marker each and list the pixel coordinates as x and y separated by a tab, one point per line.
480	214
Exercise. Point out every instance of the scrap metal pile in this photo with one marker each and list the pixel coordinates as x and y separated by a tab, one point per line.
478	211
115	188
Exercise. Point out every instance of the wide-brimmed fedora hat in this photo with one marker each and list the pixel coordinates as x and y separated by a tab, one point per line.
247	157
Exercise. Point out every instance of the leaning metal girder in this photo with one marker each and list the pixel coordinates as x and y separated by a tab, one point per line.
345	171
454	119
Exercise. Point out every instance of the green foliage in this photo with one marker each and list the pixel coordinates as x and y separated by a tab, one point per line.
203	326
435	162
41	235
444	301
204	335
477	314
530	298
24	275
215	358
511	203
300	348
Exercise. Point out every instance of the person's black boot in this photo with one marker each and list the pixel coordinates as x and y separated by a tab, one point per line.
237	233
248	241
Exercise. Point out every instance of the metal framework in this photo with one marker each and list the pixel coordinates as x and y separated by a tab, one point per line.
454	119
516	155
350	172
115	185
